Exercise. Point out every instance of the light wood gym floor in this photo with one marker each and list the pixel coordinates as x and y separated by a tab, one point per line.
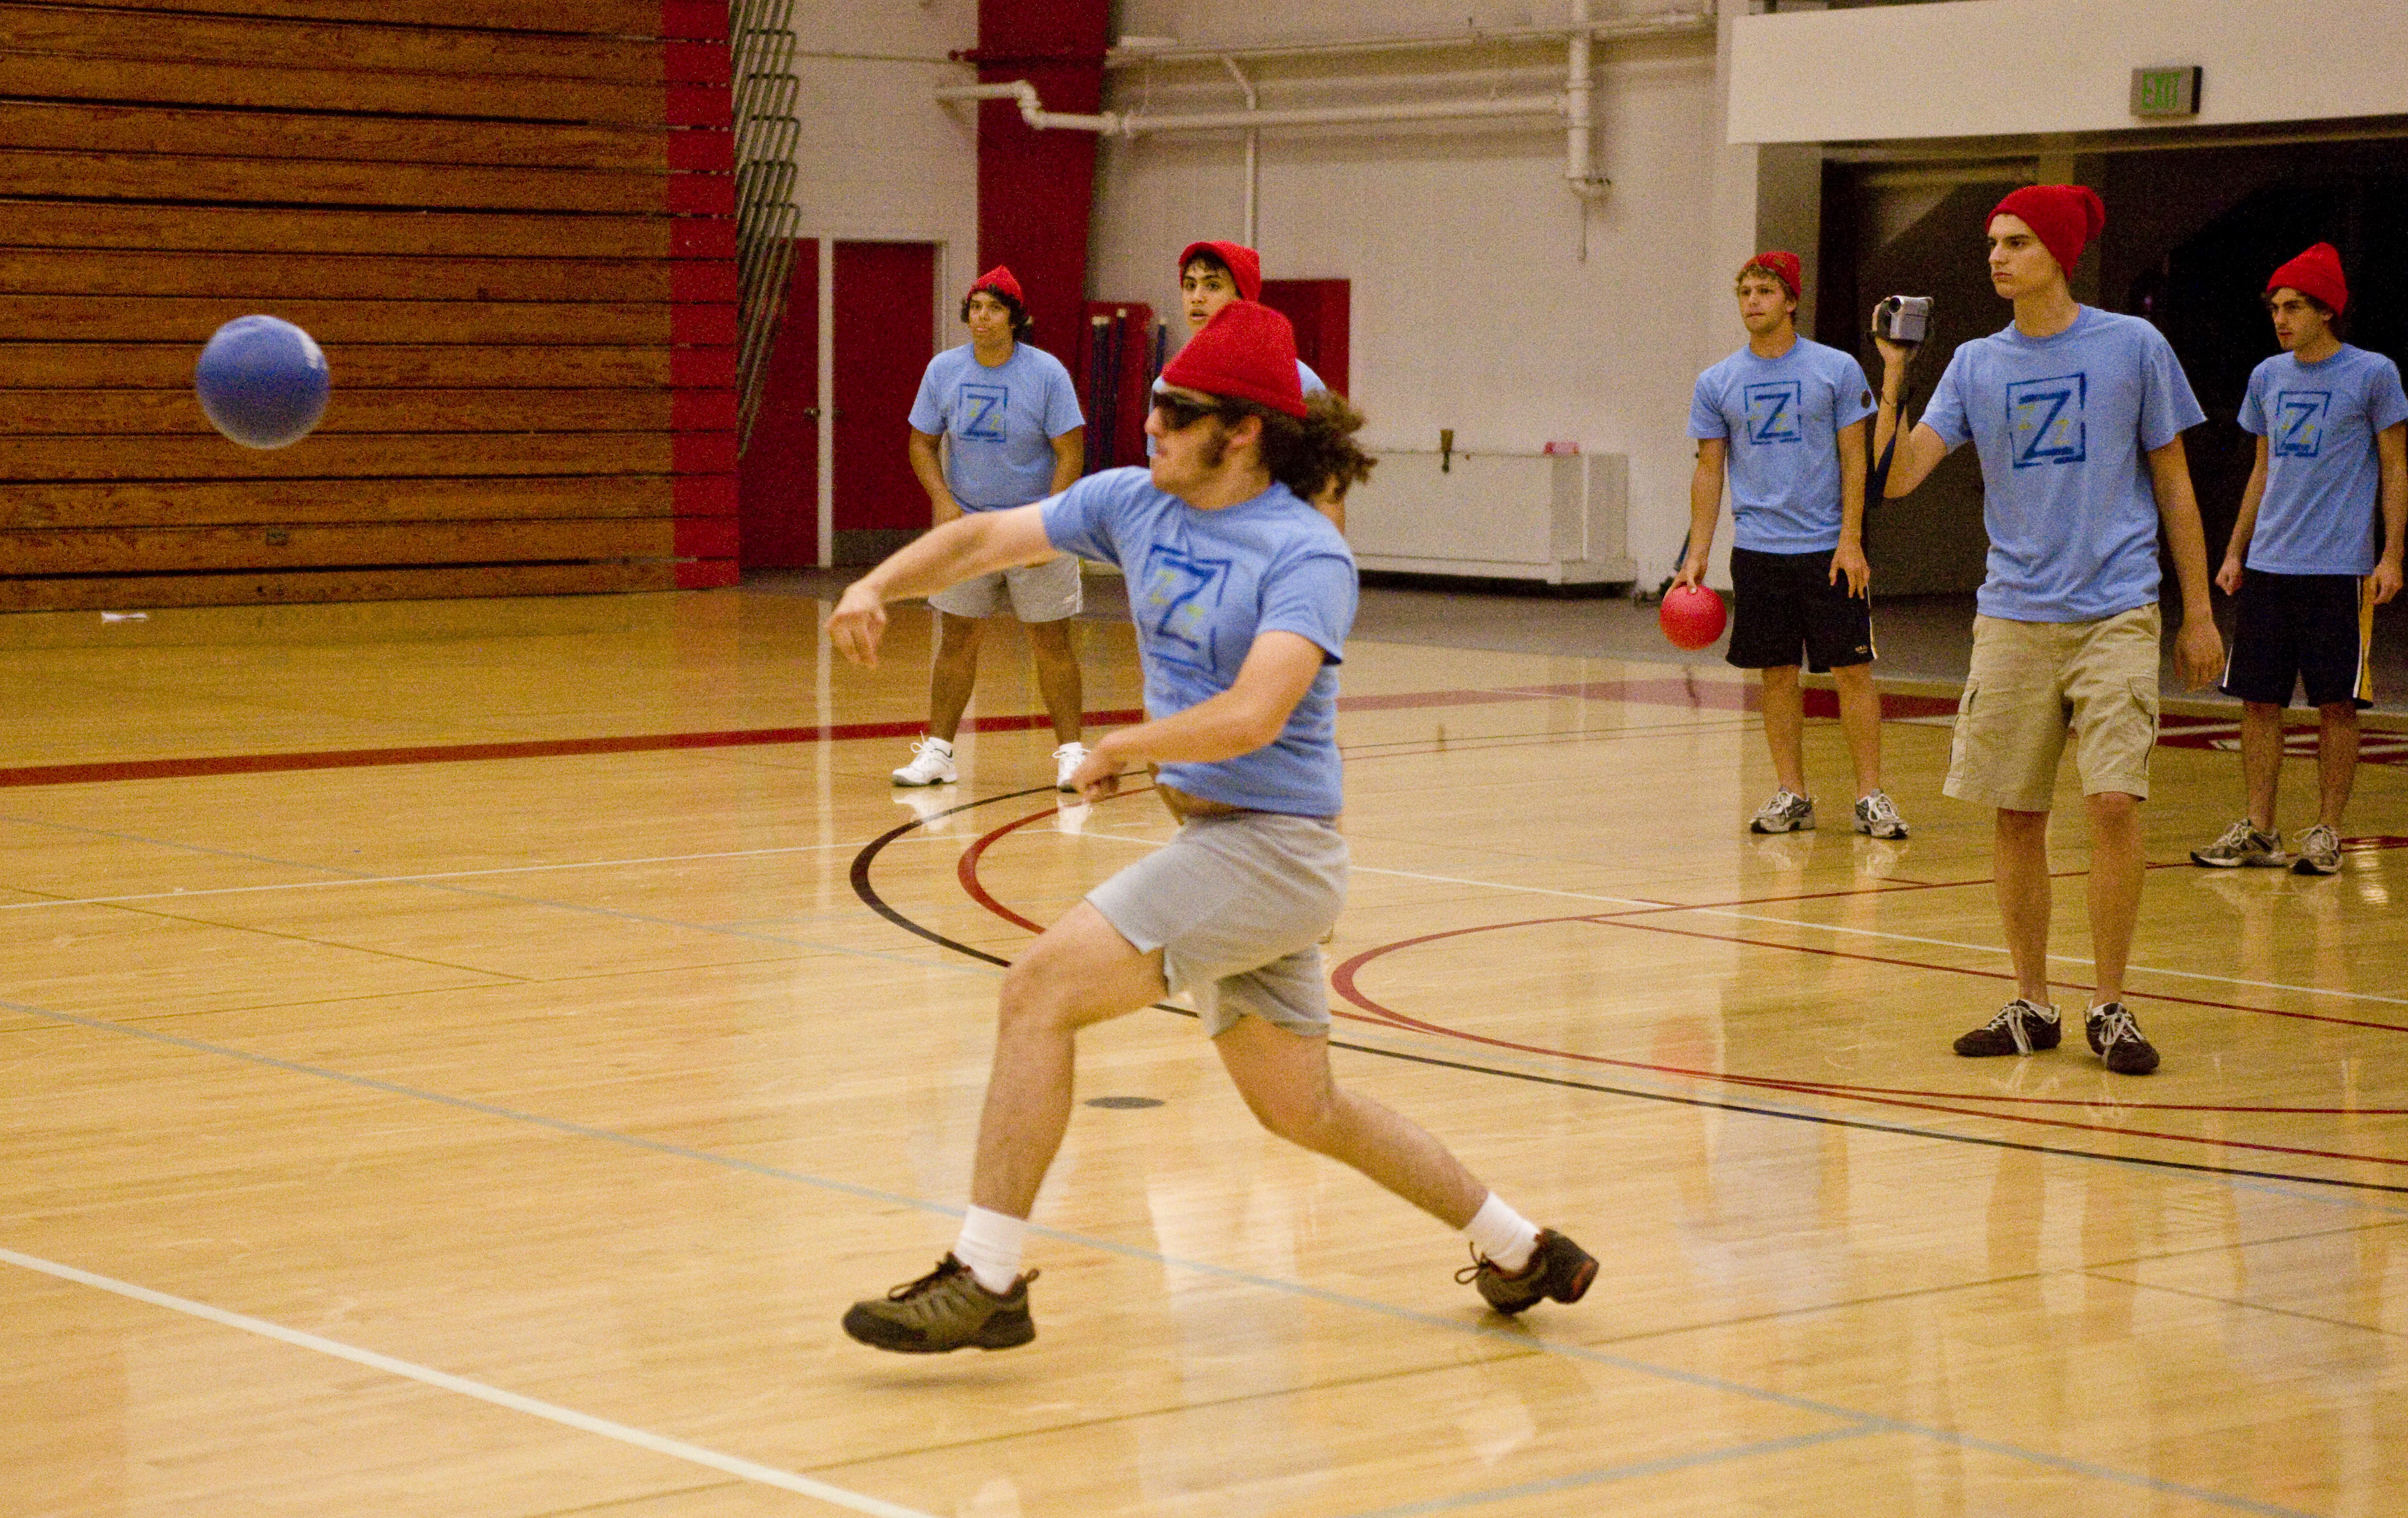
461	1058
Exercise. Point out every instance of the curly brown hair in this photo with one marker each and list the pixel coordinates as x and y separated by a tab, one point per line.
1315	453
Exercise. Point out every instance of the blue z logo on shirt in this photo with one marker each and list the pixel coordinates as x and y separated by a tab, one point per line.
1774	411
982	408
2044	421
2299	423
1177	605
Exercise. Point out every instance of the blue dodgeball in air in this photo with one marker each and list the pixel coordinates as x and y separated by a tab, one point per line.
262	381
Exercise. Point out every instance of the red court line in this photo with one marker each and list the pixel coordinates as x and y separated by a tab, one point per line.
439	753
1342	980
1700	694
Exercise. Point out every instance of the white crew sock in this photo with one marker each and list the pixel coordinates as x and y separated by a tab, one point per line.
990	1245
1503	1237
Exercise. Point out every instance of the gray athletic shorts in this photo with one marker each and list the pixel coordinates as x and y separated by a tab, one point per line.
1047	592
1239	906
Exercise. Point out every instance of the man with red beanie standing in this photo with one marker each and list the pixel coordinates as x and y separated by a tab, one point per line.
1785	416
2078	417
2331	422
996	425
1211	276
1243	597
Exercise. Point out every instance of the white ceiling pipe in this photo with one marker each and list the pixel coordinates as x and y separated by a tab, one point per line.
1253	148
1579	98
1663	23
1131	124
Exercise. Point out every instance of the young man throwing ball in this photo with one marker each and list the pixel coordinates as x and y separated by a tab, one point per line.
996	425
1786	418
2331	422
2078	417
1243	597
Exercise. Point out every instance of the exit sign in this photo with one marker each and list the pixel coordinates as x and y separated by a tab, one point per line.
2166	92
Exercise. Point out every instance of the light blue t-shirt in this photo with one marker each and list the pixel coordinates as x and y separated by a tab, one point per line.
2322	481
999	423
1203	585
1781	417
2062	424
1308	380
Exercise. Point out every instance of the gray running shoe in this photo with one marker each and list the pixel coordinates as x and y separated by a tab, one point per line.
2116	1038
1786	812
1877	817
944	1309
2021	1027
2319	851
2242	844
1558	1267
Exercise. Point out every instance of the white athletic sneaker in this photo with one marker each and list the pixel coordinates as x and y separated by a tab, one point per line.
932	763
1066	760
1786	812
1877	817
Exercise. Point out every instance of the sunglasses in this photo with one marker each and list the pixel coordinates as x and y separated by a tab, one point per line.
1177	413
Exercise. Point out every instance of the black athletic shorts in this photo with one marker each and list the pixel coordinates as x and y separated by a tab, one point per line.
1785	604
2290	629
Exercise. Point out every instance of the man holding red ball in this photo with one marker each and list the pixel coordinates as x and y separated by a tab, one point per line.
1785	416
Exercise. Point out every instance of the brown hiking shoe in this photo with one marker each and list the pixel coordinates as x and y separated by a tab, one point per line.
1558	1268
2116	1038
944	1309
2020	1027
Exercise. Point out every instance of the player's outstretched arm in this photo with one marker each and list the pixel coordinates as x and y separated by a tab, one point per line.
2199	651
1279	669
1705	508
963	549
2245	525
2391	456
1921	449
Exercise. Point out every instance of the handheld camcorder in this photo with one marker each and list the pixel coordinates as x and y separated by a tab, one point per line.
1904	320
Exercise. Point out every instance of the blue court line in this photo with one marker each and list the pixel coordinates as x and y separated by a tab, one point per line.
1519	1338
1615	1473
1767	1105
346	877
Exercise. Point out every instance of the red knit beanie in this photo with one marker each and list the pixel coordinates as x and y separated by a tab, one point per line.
2064	217
2316	273
1247	351
1245	264
999	279
1784	267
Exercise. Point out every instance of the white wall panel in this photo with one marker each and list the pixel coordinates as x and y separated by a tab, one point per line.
1472	306
2008	68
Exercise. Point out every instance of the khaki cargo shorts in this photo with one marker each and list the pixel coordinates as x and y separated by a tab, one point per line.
1047	592
2032	683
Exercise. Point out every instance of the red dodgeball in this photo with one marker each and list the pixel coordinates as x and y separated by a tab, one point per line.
1692	616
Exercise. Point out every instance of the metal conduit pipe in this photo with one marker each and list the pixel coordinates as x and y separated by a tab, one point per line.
1662	23
1133	124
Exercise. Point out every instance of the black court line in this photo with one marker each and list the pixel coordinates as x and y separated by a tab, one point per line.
867	891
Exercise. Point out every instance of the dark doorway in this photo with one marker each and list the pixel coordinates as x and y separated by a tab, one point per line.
777	481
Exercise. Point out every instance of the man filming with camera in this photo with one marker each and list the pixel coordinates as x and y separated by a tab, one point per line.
1786	418
2077	416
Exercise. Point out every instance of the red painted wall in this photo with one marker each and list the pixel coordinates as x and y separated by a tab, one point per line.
1036	188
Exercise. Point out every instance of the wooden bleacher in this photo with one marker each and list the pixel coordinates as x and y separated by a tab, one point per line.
510	223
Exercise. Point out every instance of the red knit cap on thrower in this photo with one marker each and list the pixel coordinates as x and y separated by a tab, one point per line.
1783	266
1246	352
2315	273
1245	264
998	279
2064	217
